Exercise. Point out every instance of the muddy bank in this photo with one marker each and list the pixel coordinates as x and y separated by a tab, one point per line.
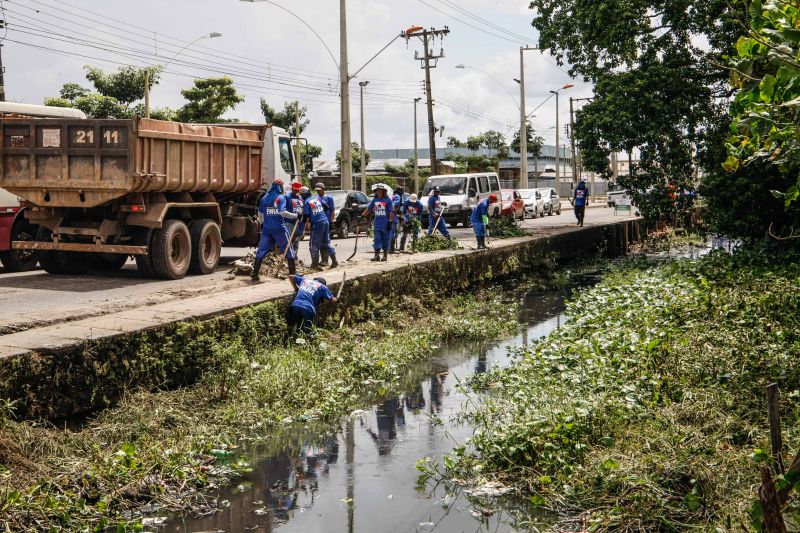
93	375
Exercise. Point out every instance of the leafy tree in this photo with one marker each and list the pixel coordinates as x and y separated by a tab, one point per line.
453	142
407	169
535	142
208	100
126	84
286	119
355	151
474	163
494	140
309	152
474	142
656	89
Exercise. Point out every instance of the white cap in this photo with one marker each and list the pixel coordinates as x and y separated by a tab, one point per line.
413	198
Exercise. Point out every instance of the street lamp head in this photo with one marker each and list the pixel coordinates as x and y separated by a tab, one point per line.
516	80
568	86
461	66
363	83
417	99
214	35
553	92
413	29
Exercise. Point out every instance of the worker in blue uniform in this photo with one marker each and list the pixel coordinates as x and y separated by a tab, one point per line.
579	200
397	206
327	199
274	211
303	311
480	218
294	203
435	214
316	211
412	211
381	209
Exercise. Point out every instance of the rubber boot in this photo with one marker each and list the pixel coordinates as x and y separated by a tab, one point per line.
393	245
255	275
384	256
414	244
292	267
315	262
325	257
377	256
480	242
403	242
334	262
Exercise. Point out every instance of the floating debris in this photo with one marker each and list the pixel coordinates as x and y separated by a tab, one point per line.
490	489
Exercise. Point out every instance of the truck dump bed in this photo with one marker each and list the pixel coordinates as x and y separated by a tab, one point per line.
88	163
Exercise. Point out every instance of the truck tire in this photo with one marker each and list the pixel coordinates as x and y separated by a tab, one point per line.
47	258
20	260
171	250
109	262
144	263
206	246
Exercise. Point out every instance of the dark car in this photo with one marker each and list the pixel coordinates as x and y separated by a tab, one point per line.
348	206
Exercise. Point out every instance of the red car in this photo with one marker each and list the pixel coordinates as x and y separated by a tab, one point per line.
14	227
513	206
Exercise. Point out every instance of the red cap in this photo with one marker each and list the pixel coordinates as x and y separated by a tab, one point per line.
492	198
296	186
278	181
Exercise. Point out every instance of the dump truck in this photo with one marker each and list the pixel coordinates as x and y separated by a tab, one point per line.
167	193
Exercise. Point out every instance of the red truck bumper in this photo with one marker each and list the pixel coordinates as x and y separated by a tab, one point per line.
6	223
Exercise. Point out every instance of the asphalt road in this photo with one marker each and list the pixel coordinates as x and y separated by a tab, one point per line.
37	298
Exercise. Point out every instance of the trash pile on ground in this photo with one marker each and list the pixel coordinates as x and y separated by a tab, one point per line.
504	228
273	265
430	243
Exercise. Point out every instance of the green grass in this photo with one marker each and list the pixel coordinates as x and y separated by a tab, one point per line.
162	449
643	411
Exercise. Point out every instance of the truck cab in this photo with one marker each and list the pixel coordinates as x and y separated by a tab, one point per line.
461	193
14	227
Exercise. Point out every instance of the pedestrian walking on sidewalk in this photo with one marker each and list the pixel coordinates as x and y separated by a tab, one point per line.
411	213
303	311
316	211
397	207
579	199
294	203
327	199
381	209
435	218
480	218
274	210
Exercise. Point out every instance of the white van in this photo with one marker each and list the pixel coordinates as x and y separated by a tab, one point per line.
460	194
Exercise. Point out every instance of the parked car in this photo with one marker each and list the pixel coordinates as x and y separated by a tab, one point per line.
534	203
14	227
348	206
460	194
552	202
618	195
513	204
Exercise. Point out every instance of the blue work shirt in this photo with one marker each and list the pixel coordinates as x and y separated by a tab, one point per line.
580	196
328	200
434	206
381	208
315	209
411	211
481	210
295	205
271	207
309	294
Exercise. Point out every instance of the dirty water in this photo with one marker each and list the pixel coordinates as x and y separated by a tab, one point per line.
361	475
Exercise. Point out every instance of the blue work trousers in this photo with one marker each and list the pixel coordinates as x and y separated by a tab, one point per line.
381	238
479	228
442	225
269	238
321	239
301	320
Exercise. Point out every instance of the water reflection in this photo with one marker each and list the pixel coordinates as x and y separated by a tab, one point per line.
302	486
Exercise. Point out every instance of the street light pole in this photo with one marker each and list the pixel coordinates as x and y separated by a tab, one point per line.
558	145
416	148
523	124
363	148
344	76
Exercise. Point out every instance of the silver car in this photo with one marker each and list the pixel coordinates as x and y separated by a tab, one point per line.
534	203
552	202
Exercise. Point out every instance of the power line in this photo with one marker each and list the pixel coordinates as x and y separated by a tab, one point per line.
482	20
484	30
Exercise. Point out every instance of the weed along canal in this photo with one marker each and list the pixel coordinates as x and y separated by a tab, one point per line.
361	475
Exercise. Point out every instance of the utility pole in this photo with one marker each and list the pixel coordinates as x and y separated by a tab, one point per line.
429	61
344	76
2	71
363	142
298	158
572	140
416	148
523	123
558	151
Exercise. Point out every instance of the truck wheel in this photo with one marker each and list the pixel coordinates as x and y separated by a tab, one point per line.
47	258
20	260
206	246
344	229
171	250
144	263
109	262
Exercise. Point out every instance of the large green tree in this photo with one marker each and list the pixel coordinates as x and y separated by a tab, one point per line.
208	100
534	145
355	151
661	84
286	119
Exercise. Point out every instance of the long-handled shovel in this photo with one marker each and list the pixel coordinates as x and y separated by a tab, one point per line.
286	251
436	227
355	247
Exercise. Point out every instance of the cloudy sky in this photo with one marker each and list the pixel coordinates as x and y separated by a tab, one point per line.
272	55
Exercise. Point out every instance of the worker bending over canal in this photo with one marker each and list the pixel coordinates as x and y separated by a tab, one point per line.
436	214
273	208
303	311
316	211
412	211
480	219
383	213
